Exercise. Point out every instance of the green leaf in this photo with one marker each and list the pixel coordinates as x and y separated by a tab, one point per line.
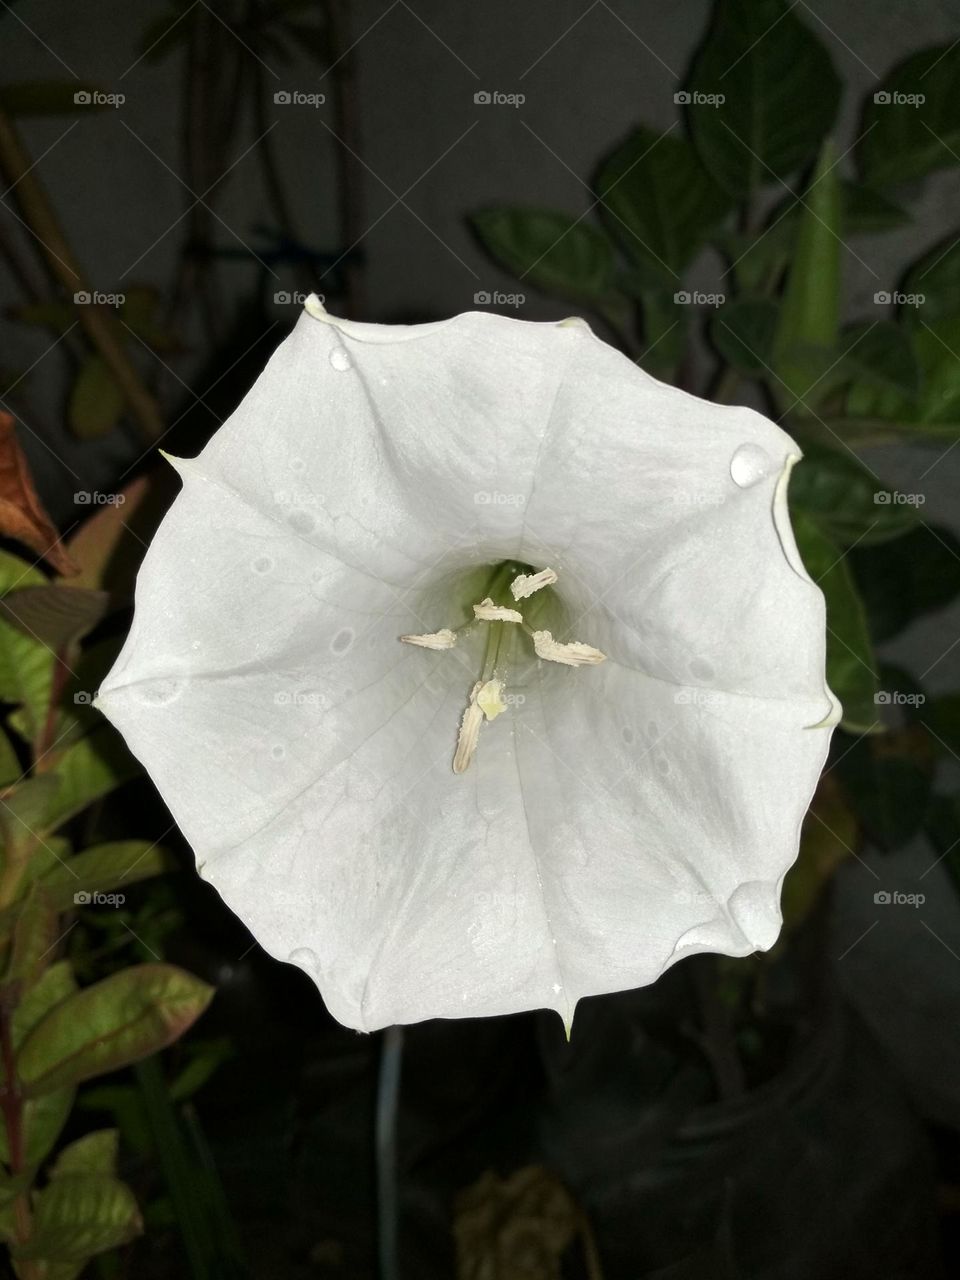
781	94
87	771
661	203
119	1020
49	98
34	937
887	786
934	277
937	350
56	984
57	616
835	490
93	1153
96	401
882	355
10	768
828	837
42	1122
904	138
899	582
103	868
851	668
742	332
550	251
809	325
868	212
26	677
80	1215
24	813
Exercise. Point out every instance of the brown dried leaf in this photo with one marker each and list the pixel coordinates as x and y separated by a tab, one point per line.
21	513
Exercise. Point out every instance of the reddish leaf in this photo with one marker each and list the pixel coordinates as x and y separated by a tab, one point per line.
21	514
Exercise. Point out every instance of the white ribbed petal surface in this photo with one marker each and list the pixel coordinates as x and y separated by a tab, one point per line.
623	815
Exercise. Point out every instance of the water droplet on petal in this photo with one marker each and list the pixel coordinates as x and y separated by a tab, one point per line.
297	464
342	641
749	465
653	729
701	669
627	734
278	752
262	564
158	693
340	360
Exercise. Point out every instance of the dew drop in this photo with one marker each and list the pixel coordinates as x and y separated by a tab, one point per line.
653	729
340	360
297	464
158	693
627	734
700	669
342	641
661	763
262	564
749	465
278	752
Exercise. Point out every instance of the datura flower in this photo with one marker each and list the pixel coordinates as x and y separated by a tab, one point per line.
480	669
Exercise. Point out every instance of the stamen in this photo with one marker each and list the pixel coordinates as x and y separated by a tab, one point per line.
442	639
469	732
487	611
573	654
525	584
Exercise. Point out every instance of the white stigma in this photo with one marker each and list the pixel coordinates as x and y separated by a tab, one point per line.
525	584
573	654
469	732
487	611
442	639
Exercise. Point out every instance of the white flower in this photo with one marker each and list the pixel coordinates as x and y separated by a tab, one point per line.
615	816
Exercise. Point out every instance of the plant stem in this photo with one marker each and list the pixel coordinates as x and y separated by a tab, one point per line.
11	1105
99	324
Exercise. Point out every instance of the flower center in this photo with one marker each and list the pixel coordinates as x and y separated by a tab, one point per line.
507	629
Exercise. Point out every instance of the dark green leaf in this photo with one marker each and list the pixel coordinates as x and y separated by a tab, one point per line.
56	985
104	868
550	251
934	278
888	788
942	718
35	934
905	138
937	350
903	580
660	202
119	1020
851	668
805	345
882	354
96	401
833	488
743	332
50	98
780	88
87	771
